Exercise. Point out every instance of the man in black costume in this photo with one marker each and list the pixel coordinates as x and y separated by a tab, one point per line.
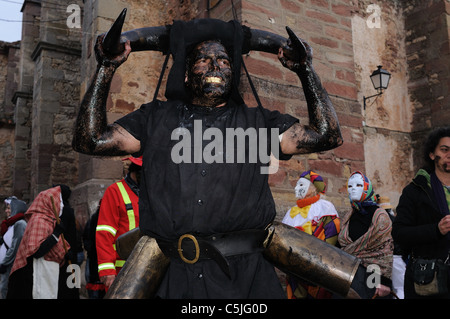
225	206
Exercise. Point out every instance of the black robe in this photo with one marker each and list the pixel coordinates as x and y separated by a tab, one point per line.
203	198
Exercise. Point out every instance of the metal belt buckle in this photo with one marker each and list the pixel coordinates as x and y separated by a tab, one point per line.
197	249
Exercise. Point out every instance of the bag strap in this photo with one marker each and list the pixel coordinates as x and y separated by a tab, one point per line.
255	94
155	96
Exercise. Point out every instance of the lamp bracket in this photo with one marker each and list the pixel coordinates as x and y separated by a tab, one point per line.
369	97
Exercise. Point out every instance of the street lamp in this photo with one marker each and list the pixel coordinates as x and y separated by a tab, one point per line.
380	80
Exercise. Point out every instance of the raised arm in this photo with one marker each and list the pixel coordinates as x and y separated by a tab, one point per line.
92	133
323	132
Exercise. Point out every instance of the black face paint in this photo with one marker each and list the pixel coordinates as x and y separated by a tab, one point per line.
209	76
444	166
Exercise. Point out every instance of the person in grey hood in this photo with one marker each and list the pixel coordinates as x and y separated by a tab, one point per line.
11	231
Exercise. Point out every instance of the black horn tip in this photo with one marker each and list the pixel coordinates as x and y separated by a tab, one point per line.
295	40
121	18
291	34
111	42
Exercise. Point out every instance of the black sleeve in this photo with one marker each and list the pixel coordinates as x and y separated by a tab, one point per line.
278	120
282	122
135	123
49	242
70	228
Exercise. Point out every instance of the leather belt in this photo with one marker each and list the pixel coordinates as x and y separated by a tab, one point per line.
189	248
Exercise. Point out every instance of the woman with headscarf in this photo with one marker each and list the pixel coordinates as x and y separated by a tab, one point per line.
11	231
366	234
41	252
315	216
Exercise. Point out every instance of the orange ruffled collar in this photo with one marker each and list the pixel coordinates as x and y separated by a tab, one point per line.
307	201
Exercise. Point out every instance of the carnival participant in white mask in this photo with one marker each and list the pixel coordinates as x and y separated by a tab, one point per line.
366	234
315	216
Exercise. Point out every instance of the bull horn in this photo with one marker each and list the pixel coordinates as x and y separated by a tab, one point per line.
111	42
266	41
270	42
157	39
149	38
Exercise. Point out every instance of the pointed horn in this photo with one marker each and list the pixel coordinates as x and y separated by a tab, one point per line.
157	39
296	44
111	42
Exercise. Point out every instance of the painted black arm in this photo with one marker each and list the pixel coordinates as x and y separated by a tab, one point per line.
92	134
323	132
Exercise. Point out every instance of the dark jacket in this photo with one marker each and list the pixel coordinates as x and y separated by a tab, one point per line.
415	227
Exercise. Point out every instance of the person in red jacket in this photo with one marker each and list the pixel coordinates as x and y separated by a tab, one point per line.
119	213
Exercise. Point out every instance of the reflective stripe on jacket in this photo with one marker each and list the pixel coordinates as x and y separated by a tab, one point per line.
119	213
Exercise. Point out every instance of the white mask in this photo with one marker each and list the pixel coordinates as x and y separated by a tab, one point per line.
355	187
301	189
61	206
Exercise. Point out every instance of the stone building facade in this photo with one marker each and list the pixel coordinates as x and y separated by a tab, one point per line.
9	61
45	75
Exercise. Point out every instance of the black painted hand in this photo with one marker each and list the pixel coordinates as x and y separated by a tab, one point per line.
296	54
105	59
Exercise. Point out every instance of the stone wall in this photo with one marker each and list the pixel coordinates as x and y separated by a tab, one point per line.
9	58
56	59
387	119
6	161
23	100
42	95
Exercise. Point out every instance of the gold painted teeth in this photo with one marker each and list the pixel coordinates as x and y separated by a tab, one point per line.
213	80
